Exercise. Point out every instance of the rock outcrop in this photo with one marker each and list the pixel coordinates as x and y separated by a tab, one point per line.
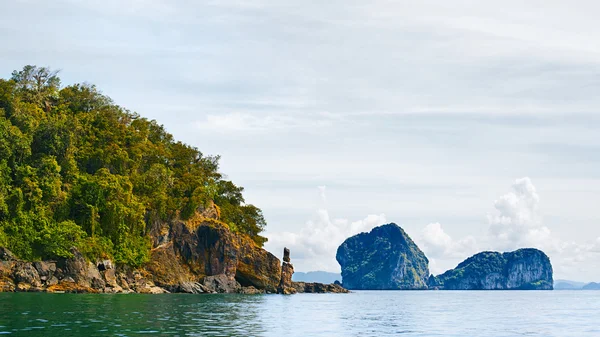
200	255
203	251
524	269
385	258
318	288
197	256
287	270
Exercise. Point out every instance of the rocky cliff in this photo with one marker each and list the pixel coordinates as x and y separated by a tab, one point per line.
385	258
197	256
524	269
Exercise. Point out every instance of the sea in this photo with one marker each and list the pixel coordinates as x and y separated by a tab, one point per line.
360	313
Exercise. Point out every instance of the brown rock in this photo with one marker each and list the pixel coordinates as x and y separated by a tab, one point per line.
202	247
68	285
221	284
45	268
152	290
320	288
26	276
6	278
192	288
287	270
251	291
52	281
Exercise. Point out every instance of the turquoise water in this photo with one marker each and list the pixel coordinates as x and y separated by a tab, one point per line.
366	313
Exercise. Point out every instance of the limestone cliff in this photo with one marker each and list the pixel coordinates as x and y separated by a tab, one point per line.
385	258
524	269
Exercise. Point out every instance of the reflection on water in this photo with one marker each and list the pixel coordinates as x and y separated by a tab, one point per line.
428	313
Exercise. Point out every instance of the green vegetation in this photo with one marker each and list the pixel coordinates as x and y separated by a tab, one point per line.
78	170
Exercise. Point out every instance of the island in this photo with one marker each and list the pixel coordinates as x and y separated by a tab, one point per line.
95	198
387	259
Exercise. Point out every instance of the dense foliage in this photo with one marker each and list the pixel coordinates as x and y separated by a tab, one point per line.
78	170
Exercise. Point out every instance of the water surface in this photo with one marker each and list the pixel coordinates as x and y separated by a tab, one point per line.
365	313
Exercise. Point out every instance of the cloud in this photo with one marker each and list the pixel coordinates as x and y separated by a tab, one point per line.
437	244
252	122
314	246
517	222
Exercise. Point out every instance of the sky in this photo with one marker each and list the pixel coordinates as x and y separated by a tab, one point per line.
471	124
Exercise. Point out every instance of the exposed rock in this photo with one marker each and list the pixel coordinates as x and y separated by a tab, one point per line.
202	248
286	255
69	285
196	256
287	270
7	283
26	276
385	258
251	291
221	284
192	288
6	255
320	288
51	281
45	269
152	290
524	269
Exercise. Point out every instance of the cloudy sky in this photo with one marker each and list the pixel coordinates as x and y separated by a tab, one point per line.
472	124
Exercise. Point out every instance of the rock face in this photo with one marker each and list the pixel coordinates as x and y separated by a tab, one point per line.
202	248
385	258
524	269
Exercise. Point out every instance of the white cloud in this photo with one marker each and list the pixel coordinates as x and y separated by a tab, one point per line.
314	246
517	222
437	244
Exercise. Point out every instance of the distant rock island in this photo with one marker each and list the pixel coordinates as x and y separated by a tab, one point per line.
317	276
524	269
575	285
387	259
591	286
384	259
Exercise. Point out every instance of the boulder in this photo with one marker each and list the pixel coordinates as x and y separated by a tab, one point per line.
26	276
385	258
221	284
251	291
45	269
192	288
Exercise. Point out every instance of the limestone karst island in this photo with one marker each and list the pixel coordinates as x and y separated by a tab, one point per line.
96	199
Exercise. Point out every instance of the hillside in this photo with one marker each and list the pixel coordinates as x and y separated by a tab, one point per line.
78	170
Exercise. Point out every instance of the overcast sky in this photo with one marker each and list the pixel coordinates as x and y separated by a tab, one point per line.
472	124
